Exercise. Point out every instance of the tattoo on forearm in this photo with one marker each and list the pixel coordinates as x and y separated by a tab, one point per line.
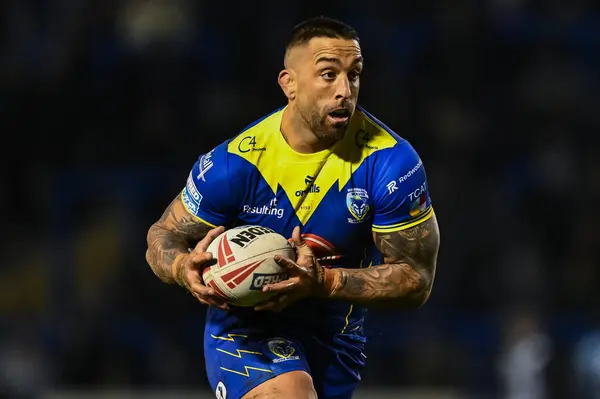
171	235
384	281
407	274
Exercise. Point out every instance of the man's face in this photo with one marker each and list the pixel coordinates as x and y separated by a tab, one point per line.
327	73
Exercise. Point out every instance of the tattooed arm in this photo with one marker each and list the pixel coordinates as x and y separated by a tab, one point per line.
409	255
406	277
172	235
403	281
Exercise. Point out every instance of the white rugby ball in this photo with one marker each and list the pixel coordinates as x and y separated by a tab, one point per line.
244	264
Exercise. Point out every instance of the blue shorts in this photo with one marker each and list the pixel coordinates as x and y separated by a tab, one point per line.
239	358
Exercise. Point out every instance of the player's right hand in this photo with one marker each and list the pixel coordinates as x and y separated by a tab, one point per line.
189	271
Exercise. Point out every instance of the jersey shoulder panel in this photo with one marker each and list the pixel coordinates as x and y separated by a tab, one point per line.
400	188
208	193
383	129
218	181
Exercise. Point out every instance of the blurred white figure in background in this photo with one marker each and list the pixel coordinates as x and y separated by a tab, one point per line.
24	370
586	366
523	361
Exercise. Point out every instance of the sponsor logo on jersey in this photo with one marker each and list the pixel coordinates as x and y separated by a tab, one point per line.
362	138
189	203
259	280
283	349
221	391
357	202
248	144
311	187
418	192
418	200
204	165
393	185
191	196
248	235
270	210
192	189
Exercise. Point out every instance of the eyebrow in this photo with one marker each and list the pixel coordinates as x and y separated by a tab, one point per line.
336	60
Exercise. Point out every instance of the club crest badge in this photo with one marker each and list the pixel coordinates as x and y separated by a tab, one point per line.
357	201
282	349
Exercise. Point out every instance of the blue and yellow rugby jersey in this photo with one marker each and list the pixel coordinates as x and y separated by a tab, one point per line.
371	180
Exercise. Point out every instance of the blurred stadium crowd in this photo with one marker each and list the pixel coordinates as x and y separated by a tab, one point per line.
108	104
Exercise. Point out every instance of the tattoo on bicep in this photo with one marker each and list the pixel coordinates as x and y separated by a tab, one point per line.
178	220
416	246
409	266
175	231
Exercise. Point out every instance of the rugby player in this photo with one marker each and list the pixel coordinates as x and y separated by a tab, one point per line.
350	193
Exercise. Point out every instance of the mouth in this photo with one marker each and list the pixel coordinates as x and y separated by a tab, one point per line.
340	115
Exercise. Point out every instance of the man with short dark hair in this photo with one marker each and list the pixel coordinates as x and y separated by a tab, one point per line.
352	195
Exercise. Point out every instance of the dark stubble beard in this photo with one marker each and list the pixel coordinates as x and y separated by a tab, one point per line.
318	126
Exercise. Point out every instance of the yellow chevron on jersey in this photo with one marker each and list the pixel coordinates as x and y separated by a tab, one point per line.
371	180
264	146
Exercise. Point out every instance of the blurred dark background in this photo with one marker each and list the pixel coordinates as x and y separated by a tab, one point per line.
108	103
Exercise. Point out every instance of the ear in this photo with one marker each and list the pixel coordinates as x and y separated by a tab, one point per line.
287	82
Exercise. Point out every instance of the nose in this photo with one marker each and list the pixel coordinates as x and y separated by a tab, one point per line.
343	90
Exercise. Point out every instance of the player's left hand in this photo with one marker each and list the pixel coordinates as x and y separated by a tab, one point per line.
306	277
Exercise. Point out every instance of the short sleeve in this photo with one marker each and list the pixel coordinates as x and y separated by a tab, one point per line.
207	194
400	192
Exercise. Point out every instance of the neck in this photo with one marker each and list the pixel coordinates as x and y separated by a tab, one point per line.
298	134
